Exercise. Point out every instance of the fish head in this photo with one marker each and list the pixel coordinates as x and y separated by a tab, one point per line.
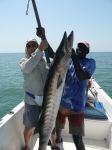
64	51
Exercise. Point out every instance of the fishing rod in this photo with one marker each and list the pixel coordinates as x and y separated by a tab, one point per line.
36	13
39	26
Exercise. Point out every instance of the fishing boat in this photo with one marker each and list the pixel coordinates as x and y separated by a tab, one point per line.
98	125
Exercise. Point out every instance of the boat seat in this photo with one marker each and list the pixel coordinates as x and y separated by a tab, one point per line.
95	111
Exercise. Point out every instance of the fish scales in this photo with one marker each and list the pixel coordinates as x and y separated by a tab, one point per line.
53	90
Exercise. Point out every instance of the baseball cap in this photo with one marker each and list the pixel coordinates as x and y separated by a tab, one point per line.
84	45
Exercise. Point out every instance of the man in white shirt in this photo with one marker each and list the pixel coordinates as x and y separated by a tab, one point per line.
34	70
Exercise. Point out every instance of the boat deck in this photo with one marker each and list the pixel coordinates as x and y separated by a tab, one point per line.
101	130
69	145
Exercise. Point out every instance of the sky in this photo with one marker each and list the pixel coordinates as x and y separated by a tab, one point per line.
91	21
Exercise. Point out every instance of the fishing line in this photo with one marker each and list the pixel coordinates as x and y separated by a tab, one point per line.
27	7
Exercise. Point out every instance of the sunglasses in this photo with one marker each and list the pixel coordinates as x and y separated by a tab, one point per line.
31	45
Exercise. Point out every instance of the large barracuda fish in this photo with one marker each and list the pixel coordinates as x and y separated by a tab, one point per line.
53	89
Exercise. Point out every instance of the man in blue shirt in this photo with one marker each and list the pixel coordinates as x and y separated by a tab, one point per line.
73	98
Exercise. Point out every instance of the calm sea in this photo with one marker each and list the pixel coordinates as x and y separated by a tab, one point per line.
11	79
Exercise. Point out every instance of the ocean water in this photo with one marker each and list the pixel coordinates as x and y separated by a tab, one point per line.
11	78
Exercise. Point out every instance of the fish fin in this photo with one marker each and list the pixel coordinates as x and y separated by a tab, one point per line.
59	82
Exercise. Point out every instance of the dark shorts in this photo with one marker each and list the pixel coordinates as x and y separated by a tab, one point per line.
76	123
31	115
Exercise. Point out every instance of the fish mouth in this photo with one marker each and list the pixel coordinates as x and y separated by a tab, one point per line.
70	39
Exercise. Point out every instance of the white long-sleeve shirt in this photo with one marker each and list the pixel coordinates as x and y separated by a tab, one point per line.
35	72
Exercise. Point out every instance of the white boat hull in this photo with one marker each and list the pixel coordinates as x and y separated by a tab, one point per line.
98	133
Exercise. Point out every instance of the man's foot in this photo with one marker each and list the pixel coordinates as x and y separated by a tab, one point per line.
55	147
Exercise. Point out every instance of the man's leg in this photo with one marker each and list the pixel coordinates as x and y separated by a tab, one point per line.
53	137
78	141
60	123
54	145
76	128
30	121
56	137
27	136
59	135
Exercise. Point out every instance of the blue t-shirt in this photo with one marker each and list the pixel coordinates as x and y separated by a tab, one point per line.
73	97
